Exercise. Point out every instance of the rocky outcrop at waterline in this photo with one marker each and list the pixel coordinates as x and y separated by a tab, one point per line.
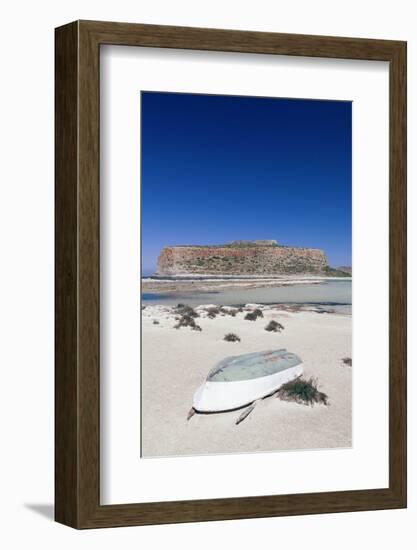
246	258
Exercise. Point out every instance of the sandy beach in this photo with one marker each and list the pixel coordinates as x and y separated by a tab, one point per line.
176	361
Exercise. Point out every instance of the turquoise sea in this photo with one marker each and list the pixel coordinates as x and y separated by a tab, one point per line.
334	294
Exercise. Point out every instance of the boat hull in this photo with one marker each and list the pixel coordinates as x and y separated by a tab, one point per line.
224	396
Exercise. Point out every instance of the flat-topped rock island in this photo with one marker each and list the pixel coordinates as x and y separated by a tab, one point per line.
246	258
239	265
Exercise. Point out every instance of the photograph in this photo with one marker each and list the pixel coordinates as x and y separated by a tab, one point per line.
246	274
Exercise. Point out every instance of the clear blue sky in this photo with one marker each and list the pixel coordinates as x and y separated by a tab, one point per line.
223	168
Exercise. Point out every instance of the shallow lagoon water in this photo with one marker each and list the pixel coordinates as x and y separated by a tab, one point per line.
337	294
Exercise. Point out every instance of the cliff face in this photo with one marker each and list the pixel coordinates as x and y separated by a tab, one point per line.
241	258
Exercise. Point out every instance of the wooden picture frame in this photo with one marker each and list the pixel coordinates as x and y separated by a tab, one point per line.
77	401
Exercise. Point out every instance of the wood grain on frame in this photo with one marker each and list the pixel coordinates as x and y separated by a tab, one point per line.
77	360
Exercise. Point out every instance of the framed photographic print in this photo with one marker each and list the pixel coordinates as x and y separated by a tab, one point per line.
230	274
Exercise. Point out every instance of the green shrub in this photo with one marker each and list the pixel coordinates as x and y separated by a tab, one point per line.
302	391
347	361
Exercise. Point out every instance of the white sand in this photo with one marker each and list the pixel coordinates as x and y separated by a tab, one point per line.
175	362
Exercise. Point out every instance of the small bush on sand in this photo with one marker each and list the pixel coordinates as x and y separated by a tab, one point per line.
302	391
274	326
186	310
231	337
155	322
212	312
227	311
347	361
251	316
185	321
258	313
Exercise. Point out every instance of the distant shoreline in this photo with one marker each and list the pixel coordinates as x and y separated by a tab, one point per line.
210	283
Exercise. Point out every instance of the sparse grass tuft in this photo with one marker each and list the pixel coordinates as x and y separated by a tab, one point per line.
231	337
302	391
274	326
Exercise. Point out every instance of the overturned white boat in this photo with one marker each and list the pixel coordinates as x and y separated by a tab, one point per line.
241	380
